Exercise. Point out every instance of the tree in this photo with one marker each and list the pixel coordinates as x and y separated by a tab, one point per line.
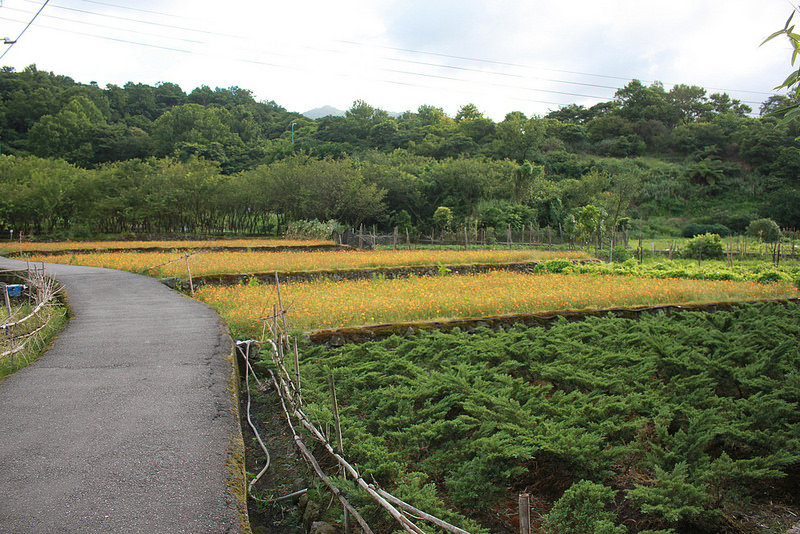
442	218
791	83
766	230
590	223
305	188
519	138
69	133
690	102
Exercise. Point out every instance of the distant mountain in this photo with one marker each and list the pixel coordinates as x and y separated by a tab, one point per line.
324	111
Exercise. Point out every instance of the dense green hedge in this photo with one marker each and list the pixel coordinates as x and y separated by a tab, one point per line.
683	418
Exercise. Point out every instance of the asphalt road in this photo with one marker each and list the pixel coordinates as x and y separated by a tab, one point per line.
127	423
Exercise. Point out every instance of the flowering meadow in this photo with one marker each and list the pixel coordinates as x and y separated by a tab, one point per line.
227	262
90	246
320	305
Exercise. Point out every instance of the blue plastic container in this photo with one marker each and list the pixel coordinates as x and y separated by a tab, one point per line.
15	290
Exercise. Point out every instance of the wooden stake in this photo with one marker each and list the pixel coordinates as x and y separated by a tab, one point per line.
524	513
335	405
189	270
285	334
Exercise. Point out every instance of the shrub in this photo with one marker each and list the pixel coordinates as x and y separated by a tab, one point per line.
554	266
582	508
766	230
706	246
620	255
312	229
696	229
770	277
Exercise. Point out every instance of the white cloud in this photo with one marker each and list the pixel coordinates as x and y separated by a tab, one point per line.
529	56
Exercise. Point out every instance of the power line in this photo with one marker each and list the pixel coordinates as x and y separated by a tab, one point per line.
397	49
12	43
330	50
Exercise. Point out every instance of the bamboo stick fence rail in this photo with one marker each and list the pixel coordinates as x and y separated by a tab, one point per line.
19	329
287	387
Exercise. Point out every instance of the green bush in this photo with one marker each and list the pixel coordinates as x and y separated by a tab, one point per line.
770	277
582	508
312	229
554	266
766	230
696	229
620	255
706	246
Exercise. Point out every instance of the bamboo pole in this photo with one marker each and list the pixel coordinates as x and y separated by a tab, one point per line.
303	420
313	461
339	445
297	372
419	513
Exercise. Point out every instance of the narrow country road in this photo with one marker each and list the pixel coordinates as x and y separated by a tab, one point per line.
128	423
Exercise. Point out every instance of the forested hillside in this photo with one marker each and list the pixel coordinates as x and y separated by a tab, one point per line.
80	160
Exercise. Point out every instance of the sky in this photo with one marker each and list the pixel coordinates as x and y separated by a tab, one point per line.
532	56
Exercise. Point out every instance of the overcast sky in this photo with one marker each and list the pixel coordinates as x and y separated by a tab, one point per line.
502	55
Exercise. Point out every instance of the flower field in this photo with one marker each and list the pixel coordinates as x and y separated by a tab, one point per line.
320	305
17	248
211	263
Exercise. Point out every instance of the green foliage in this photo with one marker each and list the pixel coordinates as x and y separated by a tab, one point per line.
369	167
696	229
677	418
442	218
766	230
312	229
554	266
582	508
670	496
706	246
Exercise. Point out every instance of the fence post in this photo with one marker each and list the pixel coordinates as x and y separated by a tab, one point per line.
509	237
189	271
524	513
7	300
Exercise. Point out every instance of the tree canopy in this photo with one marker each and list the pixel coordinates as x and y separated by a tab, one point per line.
84	158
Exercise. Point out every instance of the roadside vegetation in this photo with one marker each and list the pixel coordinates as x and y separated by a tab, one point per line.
33	314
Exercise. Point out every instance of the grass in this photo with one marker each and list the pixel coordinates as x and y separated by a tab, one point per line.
57	318
320	305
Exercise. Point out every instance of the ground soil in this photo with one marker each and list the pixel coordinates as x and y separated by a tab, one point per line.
287	473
